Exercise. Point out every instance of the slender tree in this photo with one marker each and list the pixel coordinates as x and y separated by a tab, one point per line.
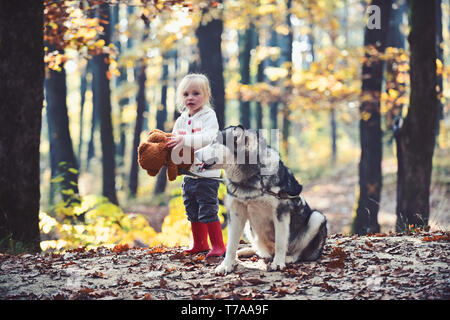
245	46
416	138
209	37
102	101
95	112
370	178
94	119
440	56
62	157
395	39
84	83
141	102
161	118
259	79
286	56
333	122
21	87
273	105
120	80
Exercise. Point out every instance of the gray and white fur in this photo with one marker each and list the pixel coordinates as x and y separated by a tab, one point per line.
264	197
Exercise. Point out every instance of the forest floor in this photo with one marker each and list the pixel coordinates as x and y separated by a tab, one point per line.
381	266
388	265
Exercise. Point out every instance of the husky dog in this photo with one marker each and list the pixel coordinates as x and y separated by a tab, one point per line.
262	191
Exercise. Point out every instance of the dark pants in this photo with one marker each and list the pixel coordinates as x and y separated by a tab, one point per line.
200	199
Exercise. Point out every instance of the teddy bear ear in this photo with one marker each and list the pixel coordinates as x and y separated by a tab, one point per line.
157	137
156	131
172	171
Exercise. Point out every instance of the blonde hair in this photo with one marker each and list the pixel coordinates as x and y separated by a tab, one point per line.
193	79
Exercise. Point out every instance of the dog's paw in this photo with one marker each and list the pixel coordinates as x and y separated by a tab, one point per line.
276	265
224	268
291	259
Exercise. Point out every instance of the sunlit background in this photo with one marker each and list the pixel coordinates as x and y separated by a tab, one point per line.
327	57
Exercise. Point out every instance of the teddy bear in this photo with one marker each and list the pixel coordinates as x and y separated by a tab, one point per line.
153	155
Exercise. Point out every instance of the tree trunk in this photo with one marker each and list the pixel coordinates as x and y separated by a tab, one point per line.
95	116
259	79
417	135
440	56
22	85
333	123
395	39
95	112
286	53
161	117
141	102
273	105
62	157
83	89
370	178
245	46
209	45
333	136
102	101
123	101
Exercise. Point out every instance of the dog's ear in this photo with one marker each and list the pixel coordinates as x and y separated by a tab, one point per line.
239	134
262	143
252	146
238	130
288	183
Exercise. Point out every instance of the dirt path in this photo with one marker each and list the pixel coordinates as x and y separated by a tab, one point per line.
377	267
335	196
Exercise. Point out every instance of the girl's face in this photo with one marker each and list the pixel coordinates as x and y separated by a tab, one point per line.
193	99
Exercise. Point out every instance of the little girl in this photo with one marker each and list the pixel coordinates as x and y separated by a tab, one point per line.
196	128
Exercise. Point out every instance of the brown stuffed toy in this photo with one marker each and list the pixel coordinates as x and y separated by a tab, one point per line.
153	155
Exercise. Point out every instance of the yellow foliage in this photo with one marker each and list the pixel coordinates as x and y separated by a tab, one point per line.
105	224
439	67
274	73
266	9
444	136
365	115
176	229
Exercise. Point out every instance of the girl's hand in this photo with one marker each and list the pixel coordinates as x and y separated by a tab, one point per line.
175	141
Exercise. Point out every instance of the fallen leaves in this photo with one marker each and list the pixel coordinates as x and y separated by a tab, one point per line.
255	281
119	248
444	237
339	257
370	267
157	250
162	283
97	274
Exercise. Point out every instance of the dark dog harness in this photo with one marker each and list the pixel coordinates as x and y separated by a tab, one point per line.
281	195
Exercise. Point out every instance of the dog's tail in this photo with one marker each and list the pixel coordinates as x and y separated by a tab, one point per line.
246	252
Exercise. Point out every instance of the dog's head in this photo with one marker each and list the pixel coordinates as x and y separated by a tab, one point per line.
233	145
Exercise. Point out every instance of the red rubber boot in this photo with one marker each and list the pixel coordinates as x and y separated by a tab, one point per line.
216	238
200	235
